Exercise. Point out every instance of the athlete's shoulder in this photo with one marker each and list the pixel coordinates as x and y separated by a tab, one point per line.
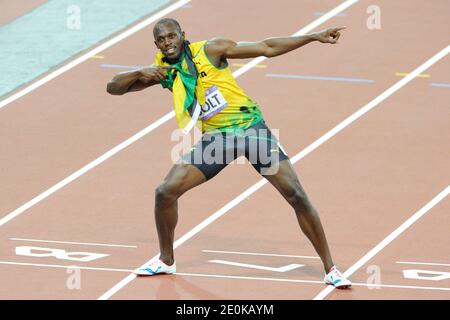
218	46
213	42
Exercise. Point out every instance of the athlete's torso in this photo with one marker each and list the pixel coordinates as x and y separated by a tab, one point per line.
240	111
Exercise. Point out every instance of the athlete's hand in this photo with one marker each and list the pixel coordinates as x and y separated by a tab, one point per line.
154	73
329	35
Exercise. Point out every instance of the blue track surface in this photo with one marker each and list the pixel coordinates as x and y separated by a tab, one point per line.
59	29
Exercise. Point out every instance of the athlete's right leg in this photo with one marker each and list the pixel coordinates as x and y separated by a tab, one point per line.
194	168
180	179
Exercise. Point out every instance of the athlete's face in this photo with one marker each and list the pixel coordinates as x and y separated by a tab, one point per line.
169	40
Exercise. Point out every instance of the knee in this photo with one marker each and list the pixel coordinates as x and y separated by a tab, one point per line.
298	199
165	194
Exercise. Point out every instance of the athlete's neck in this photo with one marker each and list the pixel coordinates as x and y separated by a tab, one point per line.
173	61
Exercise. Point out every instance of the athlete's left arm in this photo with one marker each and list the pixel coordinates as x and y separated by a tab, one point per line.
271	47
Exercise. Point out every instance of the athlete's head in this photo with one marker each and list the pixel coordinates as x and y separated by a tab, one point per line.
169	38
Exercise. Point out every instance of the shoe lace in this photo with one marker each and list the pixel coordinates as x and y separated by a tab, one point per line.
153	264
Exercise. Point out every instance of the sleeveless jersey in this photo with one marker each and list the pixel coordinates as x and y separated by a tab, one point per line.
227	106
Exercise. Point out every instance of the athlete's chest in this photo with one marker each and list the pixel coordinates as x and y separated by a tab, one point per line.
207	72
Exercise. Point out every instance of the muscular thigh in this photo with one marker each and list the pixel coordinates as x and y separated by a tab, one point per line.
263	149
210	155
182	177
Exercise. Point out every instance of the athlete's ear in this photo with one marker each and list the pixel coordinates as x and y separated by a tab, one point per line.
183	36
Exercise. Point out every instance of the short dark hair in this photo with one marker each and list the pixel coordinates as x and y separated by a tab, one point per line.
166	21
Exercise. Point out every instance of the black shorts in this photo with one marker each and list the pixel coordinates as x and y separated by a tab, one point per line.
215	150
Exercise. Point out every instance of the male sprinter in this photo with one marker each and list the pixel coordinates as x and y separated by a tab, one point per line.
226	113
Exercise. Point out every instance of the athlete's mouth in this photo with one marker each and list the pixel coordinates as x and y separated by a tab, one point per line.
171	50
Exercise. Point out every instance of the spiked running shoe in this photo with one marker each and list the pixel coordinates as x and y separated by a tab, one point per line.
156	267
335	278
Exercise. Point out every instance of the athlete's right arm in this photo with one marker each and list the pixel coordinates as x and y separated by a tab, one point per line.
136	80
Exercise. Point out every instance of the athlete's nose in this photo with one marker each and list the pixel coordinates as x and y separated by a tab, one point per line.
167	42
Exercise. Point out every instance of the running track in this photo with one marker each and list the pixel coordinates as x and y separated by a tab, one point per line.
366	180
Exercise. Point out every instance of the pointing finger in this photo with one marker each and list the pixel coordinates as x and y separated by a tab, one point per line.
340	28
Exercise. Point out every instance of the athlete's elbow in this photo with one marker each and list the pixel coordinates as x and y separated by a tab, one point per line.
270	53
113	89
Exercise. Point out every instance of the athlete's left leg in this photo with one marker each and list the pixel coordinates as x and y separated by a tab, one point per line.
286	182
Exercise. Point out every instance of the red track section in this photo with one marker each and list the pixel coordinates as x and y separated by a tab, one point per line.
13	9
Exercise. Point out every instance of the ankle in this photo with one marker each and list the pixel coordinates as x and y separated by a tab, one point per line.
329	268
167	260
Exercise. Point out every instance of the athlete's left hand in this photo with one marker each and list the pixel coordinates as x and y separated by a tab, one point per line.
329	35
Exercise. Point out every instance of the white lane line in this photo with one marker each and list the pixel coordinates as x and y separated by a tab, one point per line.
219	276
93	52
330	14
372	104
150	128
424	263
215	276
252	189
260	254
391	237
62	266
70	242
282	269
